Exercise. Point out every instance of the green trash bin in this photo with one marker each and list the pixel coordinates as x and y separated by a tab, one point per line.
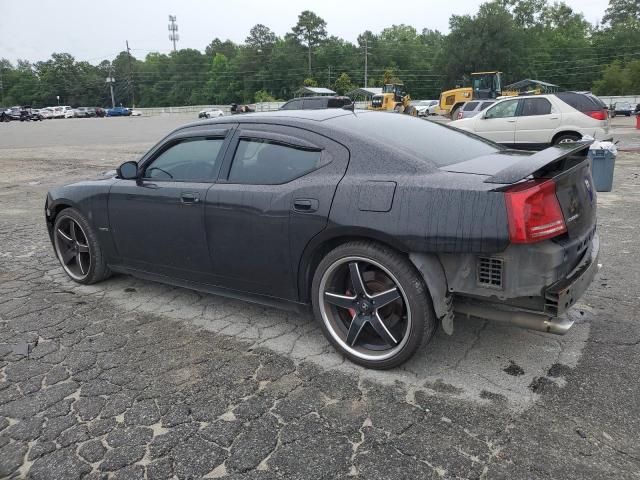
603	162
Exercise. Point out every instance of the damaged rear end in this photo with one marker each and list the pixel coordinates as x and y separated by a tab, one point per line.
553	249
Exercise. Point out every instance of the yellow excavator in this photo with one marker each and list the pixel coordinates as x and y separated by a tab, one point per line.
484	85
393	98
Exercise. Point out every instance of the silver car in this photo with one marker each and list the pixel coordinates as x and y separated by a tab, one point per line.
473	108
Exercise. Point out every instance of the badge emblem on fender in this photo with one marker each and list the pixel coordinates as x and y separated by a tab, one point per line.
587	184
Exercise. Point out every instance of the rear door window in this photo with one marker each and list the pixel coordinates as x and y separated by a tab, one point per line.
470	106
264	162
535	106
314	103
485	105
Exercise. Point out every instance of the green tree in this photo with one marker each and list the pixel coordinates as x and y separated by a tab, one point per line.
613	82
622	12
310	30
343	84
261	38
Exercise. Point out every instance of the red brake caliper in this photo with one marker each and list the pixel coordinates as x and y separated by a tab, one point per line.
351	311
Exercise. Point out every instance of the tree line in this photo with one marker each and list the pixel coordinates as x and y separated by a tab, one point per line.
522	38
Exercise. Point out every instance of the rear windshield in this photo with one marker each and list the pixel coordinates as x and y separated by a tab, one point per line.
579	101
435	143
469	106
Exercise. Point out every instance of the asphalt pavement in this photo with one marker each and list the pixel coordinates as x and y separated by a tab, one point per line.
134	379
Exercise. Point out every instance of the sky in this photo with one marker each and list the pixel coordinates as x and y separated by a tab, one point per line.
93	31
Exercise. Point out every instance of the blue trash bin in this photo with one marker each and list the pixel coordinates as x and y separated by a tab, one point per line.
602	164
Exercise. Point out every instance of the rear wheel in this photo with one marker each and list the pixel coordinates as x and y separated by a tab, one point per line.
77	248
372	304
566	138
454	113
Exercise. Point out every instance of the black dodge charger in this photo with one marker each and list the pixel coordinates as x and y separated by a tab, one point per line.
385	225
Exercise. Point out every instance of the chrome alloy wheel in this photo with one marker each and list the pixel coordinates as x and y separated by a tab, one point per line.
72	248
364	308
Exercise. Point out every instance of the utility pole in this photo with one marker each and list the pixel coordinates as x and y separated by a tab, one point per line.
1	87
329	84
110	81
173	28
133	95
366	57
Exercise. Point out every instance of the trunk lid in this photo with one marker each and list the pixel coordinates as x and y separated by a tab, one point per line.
568	166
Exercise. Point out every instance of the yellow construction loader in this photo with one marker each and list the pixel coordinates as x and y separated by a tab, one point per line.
484	85
393	98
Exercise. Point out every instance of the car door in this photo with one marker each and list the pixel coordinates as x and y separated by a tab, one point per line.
273	196
499	122
157	222
536	122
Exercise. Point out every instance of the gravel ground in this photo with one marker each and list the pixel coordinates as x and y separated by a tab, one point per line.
132	379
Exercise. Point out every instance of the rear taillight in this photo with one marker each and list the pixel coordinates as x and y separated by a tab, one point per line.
534	212
597	114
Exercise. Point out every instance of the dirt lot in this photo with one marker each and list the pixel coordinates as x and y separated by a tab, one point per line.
133	379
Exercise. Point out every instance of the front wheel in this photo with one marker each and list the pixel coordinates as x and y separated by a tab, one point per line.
78	249
372	304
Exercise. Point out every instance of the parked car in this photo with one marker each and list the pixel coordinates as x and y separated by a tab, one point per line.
473	108
46	113
426	107
57	112
100	112
91	112
22	114
237	109
537	121
136	113
67	111
118	112
316	103
81	112
381	251
621	108
210	113
4	117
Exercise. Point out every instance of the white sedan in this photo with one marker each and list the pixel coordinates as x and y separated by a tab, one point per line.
540	120
426	107
210	113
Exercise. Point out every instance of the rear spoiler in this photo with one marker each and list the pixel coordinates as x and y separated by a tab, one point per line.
545	158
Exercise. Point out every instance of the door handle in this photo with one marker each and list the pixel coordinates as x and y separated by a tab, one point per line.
511	121
189	197
305	205
553	118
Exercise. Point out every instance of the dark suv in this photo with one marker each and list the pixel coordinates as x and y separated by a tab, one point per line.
316	103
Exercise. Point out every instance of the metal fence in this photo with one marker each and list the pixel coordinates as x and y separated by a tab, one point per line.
610	100
194	109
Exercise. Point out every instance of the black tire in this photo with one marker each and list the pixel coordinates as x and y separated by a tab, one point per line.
409	317
454	113
566	138
86	239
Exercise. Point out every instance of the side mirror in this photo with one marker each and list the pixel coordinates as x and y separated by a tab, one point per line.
128	170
